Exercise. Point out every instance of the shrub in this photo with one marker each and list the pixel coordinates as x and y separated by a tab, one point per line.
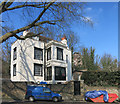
101	78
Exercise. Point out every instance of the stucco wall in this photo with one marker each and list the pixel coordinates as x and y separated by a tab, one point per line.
25	60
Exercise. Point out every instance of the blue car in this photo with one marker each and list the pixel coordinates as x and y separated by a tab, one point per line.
41	93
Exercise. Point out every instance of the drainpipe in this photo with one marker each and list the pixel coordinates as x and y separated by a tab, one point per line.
44	62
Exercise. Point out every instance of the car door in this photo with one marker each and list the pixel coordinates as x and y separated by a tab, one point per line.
38	93
47	94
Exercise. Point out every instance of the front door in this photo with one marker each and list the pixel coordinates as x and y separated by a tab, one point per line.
76	87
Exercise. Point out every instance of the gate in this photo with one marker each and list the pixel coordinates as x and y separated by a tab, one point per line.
77	88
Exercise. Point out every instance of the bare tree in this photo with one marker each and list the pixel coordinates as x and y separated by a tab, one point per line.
108	63
45	14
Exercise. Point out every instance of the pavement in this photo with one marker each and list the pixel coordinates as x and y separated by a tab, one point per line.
51	102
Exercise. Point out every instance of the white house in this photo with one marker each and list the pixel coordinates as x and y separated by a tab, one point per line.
40	59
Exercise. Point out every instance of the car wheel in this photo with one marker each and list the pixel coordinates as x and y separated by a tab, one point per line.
31	98
55	99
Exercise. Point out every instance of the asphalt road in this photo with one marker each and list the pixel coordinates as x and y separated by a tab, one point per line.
50	102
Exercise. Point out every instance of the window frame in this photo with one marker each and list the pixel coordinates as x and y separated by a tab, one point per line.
14	70
50	71
49	49
66	58
40	58
40	71
58	49
60	76
15	53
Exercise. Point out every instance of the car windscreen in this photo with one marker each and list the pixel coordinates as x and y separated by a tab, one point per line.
46	90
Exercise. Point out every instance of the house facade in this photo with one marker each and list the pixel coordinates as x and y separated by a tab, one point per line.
40	59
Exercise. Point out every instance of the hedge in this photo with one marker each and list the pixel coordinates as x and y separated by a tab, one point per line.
101	78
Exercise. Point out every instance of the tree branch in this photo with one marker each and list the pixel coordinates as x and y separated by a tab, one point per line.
4	6
13	33
28	5
46	7
23	38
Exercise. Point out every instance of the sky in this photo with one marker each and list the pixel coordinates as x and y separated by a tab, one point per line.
103	36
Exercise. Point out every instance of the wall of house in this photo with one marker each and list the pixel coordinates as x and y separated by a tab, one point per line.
25	60
61	63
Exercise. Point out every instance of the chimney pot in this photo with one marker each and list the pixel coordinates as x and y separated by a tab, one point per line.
64	40
25	32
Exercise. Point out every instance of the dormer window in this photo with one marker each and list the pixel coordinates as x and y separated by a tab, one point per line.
59	54
15	53
38	53
49	53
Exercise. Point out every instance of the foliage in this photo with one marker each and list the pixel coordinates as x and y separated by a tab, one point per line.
101	78
88	59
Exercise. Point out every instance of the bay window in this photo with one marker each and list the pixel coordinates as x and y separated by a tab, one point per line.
60	73
49	53
59	54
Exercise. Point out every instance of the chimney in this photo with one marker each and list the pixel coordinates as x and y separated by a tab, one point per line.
64	40
25	32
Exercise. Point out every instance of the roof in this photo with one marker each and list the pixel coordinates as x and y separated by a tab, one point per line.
41	38
45	39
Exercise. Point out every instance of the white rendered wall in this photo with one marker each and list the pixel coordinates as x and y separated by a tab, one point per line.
25	60
61	63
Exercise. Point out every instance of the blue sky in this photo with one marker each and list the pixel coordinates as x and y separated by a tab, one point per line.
103	36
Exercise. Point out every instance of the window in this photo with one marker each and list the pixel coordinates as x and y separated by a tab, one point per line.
59	54
14	70
49	73
46	90
38	53
60	73
38	71
15	53
48	53
66	58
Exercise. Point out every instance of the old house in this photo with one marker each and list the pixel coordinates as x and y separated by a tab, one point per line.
77	59
77	66
40	59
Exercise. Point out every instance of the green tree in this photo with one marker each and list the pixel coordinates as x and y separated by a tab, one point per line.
88	59
92	59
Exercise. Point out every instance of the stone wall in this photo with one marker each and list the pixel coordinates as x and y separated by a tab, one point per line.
16	90
67	90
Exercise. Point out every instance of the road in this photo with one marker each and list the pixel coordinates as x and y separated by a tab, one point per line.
50	102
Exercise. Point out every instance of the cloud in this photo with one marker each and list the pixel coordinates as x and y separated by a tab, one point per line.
87	18
89	9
